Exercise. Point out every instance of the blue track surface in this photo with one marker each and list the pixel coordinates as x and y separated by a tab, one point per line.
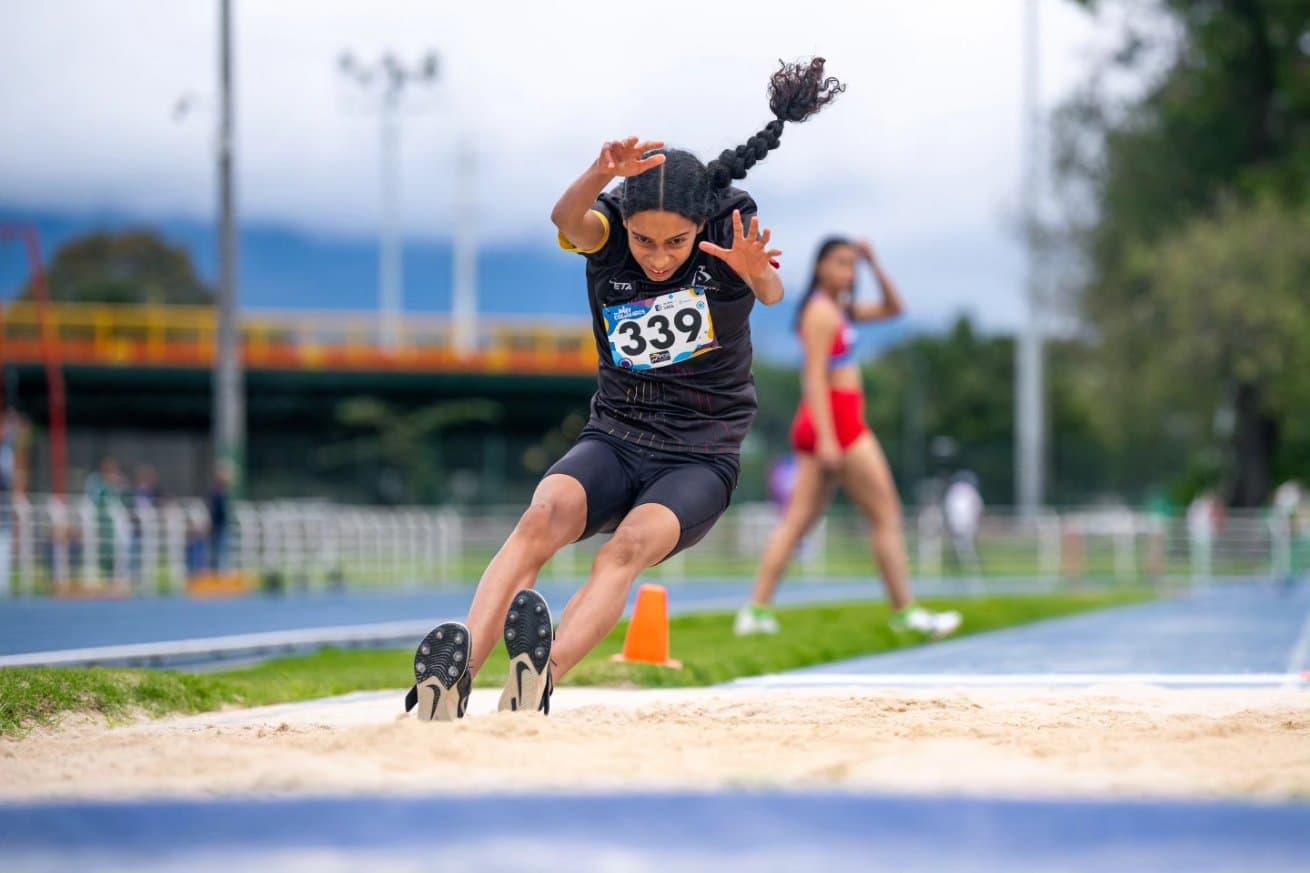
1239	628
43	625
40	625
793	832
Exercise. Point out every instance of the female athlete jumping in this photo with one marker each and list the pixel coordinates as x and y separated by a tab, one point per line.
675	263
835	445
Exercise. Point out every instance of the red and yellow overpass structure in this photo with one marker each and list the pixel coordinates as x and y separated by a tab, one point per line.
185	337
140	376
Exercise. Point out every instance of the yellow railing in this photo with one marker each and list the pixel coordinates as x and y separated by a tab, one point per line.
185	336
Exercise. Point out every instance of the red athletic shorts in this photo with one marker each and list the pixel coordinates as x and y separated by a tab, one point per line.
847	416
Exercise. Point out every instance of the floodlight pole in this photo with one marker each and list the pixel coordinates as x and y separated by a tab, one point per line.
391	260
387	80
464	298
229	407
1030	395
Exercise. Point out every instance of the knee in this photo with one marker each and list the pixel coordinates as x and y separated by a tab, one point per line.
539	526
622	552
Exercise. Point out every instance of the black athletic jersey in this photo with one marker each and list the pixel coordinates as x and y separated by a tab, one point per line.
705	404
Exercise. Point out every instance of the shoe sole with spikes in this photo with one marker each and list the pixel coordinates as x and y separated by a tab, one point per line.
528	639
442	682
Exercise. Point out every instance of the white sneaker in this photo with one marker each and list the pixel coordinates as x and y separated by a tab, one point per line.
932	624
753	619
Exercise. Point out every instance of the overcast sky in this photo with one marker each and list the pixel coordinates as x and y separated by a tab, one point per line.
922	153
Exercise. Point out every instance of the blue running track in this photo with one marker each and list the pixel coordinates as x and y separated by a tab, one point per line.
697	832
1245	628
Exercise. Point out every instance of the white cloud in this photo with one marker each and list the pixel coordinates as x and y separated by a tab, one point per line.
921	153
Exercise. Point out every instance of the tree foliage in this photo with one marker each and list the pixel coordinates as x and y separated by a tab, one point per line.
132	267
405	446
1205	163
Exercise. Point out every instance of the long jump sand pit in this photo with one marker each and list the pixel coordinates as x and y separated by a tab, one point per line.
1110	740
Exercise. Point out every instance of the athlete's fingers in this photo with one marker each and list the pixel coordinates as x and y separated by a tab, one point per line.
764	237
710	248
644	147
607	153
755	229
650	163
736	224
773	254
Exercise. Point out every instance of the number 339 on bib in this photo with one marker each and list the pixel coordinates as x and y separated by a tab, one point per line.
654	333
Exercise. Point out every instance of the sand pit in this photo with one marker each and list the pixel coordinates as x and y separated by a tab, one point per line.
1121	741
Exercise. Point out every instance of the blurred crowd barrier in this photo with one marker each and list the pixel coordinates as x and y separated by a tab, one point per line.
80	547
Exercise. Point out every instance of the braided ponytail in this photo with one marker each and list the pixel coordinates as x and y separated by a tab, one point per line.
796	91
686	186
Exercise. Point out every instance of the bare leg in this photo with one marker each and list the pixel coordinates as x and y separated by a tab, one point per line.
556	517
813	492
645	538
868	480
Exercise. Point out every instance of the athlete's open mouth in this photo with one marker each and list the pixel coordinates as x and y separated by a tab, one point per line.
659	274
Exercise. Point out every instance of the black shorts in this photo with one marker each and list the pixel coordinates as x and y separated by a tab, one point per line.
619	476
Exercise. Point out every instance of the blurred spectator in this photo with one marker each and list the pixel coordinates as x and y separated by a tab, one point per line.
963	507
1204	517
8	439
197	544
1291	529
145	505
104	488
1288	498
219	500
1158	509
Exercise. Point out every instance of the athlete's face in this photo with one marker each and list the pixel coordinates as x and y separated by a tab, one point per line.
837	270
661	241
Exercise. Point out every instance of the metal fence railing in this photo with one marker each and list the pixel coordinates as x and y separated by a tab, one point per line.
81	546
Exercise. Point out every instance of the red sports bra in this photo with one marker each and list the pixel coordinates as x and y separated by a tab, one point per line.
843	345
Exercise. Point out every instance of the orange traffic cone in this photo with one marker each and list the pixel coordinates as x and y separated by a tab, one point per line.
648	634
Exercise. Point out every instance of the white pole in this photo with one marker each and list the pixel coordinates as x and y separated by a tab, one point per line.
229	423
1030	414
391	278
464	305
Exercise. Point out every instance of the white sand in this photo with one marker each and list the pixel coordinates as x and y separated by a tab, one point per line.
1123	740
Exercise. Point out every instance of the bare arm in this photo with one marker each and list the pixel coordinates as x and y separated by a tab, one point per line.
573	214
750	258
892	305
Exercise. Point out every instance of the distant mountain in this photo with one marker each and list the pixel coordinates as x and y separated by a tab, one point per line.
282	268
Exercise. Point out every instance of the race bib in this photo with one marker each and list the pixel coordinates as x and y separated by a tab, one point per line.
654	333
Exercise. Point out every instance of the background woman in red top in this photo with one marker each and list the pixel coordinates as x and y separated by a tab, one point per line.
835	445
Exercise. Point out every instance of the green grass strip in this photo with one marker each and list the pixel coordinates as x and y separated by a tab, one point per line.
711	654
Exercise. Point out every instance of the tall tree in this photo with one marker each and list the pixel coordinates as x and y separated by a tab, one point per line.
131	267
1229	293
1224	113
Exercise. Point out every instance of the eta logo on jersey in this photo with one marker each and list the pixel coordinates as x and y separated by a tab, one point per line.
620	286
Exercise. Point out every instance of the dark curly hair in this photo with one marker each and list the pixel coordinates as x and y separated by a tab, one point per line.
684	185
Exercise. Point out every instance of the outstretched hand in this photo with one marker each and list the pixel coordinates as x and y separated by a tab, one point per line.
750	254
624	157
